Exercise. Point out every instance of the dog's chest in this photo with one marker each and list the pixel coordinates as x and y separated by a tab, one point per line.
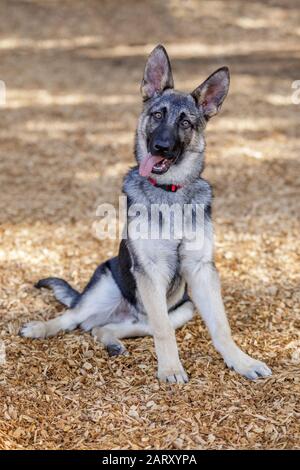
158	257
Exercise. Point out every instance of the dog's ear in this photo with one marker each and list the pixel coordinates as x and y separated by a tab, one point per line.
158	74
211	93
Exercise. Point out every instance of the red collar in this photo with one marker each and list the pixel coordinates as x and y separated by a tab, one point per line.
166	187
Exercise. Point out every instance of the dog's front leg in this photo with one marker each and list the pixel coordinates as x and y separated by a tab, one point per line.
153	296
204	282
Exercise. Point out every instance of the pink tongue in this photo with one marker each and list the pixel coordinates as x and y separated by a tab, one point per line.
148	163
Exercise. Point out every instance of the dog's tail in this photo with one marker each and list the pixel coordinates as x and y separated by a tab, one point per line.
63	292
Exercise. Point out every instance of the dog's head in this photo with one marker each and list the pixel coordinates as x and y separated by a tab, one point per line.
170	140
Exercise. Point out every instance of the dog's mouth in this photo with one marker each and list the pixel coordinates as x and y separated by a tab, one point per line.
155	164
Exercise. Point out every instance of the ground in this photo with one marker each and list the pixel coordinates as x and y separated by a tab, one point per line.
72	72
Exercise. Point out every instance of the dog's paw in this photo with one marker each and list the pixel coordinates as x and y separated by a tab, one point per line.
116	349
34	329
173	375
249	367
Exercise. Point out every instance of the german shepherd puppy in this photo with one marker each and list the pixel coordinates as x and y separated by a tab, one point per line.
143	290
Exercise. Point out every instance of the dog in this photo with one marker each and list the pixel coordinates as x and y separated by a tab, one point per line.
153	286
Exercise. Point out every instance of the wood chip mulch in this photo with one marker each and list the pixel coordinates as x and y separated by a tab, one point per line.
66	137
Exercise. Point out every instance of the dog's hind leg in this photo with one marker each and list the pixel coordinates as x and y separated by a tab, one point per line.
182	314
102	297
110	335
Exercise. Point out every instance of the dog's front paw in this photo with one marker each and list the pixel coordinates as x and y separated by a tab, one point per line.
249	367
34	329
173	375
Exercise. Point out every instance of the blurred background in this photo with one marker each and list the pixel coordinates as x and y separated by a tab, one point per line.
72	71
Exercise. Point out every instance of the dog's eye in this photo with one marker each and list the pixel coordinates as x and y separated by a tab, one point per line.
185	124
157	115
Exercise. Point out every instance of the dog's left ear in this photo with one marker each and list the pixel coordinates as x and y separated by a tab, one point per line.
211	93
158	74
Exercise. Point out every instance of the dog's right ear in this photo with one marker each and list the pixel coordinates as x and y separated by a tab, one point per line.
158	74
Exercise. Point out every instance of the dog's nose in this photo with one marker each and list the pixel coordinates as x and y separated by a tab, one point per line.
162	147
